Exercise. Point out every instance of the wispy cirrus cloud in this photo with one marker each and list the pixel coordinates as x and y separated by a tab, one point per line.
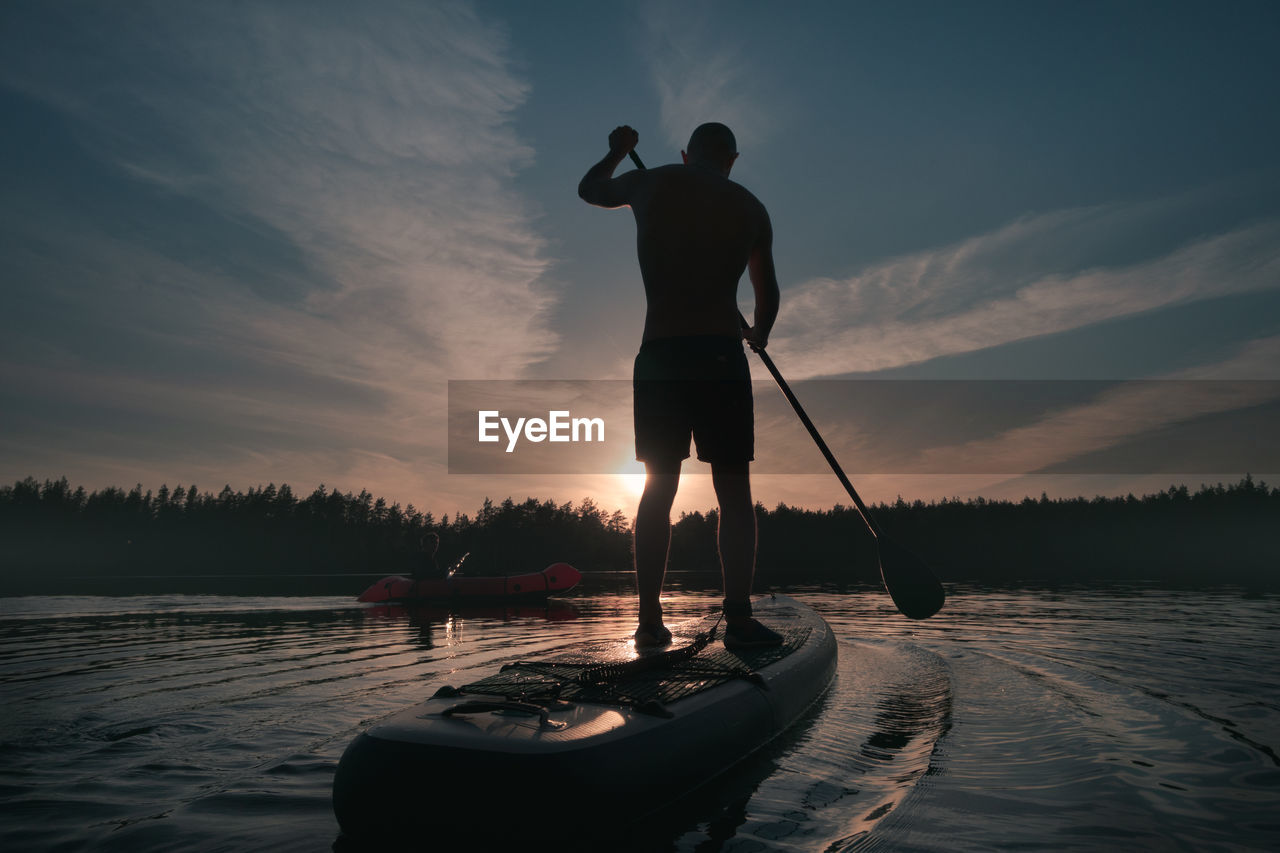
1129	411
1037	276
701	75
298	197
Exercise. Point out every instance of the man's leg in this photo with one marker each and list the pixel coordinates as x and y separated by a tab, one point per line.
737	536
653	536
737	533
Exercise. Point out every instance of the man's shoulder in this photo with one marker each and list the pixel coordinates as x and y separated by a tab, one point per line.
747	200
748	194
680	179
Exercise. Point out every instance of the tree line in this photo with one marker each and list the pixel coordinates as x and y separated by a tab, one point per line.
52	527
49	529
1216	534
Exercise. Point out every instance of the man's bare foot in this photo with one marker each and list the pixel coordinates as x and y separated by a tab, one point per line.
652	636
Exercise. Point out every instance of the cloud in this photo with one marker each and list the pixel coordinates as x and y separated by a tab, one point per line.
362	159
700	76
1126	412
1037	276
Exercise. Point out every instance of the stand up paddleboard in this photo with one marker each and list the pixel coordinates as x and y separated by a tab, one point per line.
600	730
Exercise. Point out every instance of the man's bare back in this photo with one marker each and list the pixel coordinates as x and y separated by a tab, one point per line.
696	232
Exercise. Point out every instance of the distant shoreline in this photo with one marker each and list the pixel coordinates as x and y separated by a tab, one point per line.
54	536
603	583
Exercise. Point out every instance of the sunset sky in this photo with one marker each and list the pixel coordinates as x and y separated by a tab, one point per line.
252	242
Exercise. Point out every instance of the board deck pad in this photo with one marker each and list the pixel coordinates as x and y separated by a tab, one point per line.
661	679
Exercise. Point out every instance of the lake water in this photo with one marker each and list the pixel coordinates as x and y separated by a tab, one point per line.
1069	719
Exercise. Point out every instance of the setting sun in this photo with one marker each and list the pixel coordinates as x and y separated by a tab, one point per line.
631	476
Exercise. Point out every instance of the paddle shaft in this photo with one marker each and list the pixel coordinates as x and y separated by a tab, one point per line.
817	438
914	589
912	586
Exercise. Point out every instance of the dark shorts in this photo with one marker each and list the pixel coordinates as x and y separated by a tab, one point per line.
699	386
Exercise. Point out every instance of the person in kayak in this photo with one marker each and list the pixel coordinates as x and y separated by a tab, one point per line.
697	231
428	566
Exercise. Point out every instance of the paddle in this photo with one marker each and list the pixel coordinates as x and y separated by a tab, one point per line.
912	586
915	589
453	570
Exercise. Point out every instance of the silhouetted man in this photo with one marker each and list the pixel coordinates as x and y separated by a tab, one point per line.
696	233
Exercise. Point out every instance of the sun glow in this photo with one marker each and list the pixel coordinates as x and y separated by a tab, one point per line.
631	476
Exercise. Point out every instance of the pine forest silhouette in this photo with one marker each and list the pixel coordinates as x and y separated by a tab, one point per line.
50	531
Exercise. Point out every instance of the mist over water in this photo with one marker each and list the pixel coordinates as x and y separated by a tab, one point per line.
1132	718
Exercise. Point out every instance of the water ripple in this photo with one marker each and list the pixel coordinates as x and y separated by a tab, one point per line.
1049	719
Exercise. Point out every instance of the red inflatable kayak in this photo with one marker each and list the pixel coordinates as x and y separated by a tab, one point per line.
557	577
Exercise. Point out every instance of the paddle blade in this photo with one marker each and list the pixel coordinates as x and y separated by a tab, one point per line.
913	587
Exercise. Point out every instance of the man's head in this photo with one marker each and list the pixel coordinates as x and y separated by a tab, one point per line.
712	145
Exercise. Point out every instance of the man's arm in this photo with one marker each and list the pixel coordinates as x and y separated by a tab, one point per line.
598	186
764	281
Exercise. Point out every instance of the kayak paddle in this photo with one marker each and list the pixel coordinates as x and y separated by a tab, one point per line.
453	570
915	590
